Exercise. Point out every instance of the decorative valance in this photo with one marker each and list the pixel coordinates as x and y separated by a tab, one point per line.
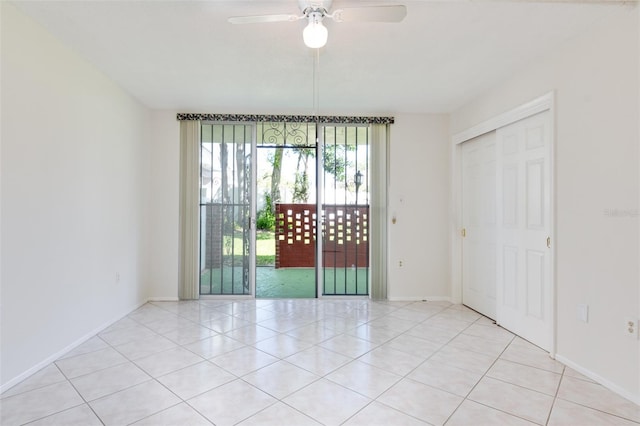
324	119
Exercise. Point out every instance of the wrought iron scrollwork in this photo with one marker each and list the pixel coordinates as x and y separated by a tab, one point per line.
286	133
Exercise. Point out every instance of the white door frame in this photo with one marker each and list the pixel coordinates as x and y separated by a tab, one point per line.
543	103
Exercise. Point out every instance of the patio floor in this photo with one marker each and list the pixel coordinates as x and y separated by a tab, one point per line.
272	283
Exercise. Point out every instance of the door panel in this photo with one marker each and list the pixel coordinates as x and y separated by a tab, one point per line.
524	269
225	209
510	277
479	221
535	194
510	196
535	283
344	217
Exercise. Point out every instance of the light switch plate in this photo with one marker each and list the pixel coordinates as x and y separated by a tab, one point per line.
582	312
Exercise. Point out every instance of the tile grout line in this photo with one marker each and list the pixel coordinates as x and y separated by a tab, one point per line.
68	380
322	312
406	375
480	379
555	397
587	406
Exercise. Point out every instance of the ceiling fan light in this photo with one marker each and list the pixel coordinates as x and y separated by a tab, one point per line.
315	34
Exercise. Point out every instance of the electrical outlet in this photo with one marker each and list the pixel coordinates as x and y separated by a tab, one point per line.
631	327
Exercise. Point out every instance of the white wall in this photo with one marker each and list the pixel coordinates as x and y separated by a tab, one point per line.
164	206
74	174
419	200
596	80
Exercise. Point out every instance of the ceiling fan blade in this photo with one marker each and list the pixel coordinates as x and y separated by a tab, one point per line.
395	13
263	18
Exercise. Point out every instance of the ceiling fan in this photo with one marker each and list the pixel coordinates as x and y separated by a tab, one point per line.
314	11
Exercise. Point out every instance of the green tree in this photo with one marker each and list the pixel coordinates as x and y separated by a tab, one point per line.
336	162
301	184
276	163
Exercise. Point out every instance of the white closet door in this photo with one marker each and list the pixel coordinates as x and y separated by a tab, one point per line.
524	225
479	222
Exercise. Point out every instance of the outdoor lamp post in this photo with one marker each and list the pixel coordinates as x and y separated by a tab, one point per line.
358	181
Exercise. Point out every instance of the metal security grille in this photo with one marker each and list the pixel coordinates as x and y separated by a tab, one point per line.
345	210
225	206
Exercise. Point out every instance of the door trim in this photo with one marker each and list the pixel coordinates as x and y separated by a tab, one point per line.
528	109
543	103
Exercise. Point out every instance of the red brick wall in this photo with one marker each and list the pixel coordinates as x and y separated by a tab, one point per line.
345	229
295	235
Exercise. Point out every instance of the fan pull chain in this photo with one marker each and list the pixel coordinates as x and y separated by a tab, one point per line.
316	84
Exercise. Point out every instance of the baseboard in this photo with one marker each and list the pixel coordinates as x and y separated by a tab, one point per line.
44	363
419	299
601	380
163	299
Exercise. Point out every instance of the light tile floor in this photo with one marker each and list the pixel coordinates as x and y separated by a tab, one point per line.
309	362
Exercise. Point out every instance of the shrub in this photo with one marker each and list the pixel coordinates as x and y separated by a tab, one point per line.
266	220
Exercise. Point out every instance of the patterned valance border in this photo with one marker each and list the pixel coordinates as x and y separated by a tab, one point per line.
324	119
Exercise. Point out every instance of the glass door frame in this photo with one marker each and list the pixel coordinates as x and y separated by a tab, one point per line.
320	140
252	213
319	201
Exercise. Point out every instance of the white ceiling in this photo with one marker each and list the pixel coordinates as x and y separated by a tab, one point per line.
184	55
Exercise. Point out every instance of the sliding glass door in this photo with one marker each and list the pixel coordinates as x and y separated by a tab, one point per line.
226	233
344	218
284	209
